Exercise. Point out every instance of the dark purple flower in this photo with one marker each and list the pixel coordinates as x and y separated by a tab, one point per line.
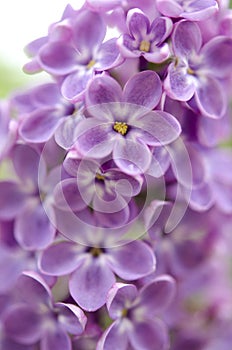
36	317
145	39
123	123
194	10
196	72
135	314
92	268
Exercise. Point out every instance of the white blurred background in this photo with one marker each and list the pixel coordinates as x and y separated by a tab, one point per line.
22	21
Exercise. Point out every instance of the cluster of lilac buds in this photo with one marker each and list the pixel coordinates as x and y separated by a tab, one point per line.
116	185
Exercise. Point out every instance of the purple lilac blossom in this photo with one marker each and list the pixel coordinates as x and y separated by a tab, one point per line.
35	317
145	39
115	189
92	268
192	10
123	123
135	314
195	70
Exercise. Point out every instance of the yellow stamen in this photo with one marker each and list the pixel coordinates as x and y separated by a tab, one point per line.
95	252
124	312
90	64
190	71
121	128
100	177
144	46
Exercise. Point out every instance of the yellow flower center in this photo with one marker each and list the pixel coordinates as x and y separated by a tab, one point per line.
100	177
121	128
190	71
144	46
95	252
90	64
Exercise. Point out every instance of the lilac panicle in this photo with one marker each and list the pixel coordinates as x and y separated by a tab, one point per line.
115	182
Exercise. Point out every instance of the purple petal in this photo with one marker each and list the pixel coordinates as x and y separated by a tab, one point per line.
23	324
11	200
125	185
115	337
201	198
68	197
74	85
33	229
40	125
138	23
158	128
211	99
90	284
94	138
130	266
119	297
199	10
178	84
89	32
160	29
143	89
169	8
128	46
55	338
160	162
26	164
217	53
149	336
61	258
46	95
58	58
158	54
157	295
72	318
131	157
108	55
186	38
32	289
12	263
103	89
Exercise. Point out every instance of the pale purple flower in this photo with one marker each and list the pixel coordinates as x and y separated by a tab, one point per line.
146	39
195	72
122	122
135	313
20	200
101	186
194	10
93	268
41	111
36	317
81	55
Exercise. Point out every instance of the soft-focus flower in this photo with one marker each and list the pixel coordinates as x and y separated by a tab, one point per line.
135	314
35	317
92	268
196	72
190	9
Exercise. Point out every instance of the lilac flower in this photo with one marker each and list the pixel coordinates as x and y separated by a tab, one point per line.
135	312
103	187
190	9
41	111
122	122
20	200
195	71
77	58
35	317
92	268
145	39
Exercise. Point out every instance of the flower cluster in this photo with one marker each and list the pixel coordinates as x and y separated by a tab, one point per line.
116	187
